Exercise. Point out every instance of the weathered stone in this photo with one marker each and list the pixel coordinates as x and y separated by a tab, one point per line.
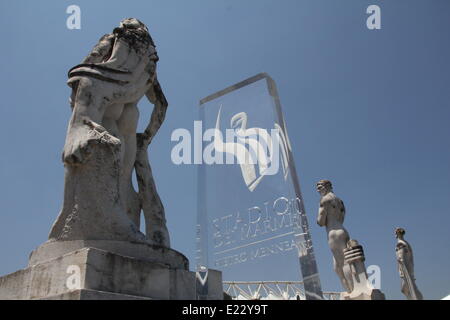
85	294
142	251
215	285
102	147
95	249
103	275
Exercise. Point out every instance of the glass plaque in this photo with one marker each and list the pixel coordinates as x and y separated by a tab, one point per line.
252	224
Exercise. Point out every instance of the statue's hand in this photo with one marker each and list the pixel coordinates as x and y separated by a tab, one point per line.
80	140
76	147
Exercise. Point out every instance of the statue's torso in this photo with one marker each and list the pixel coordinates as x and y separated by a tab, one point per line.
335	211
405	255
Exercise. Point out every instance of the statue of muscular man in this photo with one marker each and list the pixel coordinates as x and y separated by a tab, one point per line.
331	215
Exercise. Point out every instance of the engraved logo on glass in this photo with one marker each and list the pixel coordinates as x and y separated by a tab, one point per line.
255	149
252	224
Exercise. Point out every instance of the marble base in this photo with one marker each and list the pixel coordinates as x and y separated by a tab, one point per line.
371	294
139	250
95	274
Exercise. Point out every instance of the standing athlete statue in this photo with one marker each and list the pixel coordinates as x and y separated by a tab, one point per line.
331	215
405	261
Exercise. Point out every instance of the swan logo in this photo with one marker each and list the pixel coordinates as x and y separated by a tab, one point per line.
257	152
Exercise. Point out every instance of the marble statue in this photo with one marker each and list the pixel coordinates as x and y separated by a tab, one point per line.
102	147
348	254
405	262
331	216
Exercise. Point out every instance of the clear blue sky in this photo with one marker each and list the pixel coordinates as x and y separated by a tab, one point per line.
368	110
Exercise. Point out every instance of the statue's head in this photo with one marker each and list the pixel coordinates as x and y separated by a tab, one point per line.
399	232
132	23
136	34
324	186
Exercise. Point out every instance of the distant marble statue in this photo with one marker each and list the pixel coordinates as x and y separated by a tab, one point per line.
102	147
331	215
405	262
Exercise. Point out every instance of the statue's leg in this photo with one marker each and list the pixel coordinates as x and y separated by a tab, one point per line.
127	124
339	269
405	289
154	214
155	220
419	295
337	240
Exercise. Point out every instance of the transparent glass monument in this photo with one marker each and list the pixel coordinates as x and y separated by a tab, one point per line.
252	224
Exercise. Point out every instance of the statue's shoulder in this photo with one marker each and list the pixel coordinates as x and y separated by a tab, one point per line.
337	200
327	199
402	245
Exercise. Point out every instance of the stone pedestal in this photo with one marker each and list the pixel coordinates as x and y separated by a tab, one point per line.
355	270
59	270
